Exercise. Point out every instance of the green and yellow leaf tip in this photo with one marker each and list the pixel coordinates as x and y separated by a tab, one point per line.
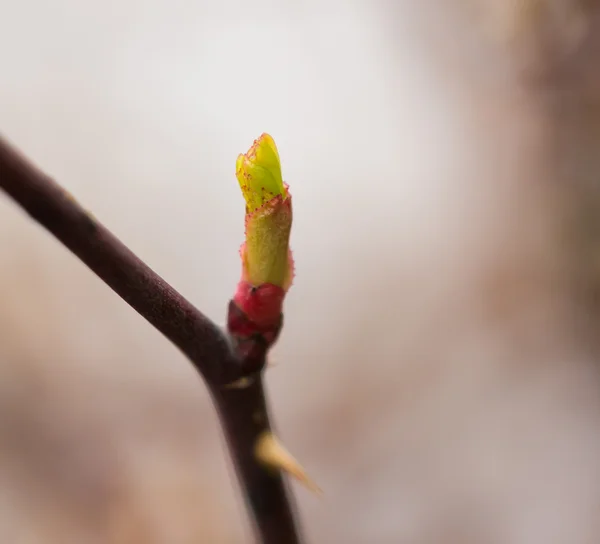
259	173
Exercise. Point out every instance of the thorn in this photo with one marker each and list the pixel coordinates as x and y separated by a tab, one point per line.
271	453
242	383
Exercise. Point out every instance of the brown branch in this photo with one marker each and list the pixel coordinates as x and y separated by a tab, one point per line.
243	411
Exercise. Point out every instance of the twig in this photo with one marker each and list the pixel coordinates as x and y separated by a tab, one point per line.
243	411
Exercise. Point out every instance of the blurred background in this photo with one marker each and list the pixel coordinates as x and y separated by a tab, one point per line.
438	372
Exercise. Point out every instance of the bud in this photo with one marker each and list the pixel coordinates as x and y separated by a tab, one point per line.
267	264
259	173
265	255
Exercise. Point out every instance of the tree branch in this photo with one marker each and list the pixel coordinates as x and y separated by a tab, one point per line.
243	411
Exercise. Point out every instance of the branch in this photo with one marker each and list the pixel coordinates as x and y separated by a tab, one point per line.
243	411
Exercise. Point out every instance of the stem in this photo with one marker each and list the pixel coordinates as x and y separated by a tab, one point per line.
244	416
243	412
